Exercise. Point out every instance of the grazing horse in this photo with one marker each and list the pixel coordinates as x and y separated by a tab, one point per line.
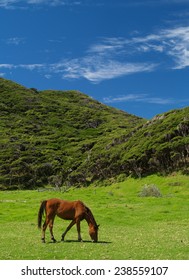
75	211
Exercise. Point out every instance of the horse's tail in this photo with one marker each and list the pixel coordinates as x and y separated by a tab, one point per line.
41	211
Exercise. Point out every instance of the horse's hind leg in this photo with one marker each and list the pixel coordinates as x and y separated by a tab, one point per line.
43	230
51	229
49	221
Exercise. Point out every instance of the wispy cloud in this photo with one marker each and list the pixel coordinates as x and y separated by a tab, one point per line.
145	98
13	4
178	45
155	2
7	3
6	66
16	3
172	43
89	68
111	58
47	2
108	45
15	41
114	57
30	67
97	69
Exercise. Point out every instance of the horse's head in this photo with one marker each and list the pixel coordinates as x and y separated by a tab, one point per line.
93	232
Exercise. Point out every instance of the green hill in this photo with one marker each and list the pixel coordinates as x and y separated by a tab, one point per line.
67	138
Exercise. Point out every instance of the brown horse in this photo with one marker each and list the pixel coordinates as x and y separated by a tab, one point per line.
67	210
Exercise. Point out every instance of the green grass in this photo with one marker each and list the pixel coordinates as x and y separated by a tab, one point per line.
131	227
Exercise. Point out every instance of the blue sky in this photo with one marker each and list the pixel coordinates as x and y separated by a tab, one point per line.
132	55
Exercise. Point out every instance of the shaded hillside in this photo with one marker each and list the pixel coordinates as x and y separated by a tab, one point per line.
67	138
160	145
46	136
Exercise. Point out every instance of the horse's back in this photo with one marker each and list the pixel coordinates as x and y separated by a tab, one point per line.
70	210
65	209
53	203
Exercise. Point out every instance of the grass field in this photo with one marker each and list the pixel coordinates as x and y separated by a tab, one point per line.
131	227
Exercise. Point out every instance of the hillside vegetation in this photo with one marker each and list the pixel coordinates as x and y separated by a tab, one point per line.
65	138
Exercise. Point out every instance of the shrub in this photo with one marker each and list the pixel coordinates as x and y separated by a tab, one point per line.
150	190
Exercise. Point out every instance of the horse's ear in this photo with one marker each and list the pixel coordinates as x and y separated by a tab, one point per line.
98	226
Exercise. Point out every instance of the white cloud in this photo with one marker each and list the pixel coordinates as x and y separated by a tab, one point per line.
48	76
178	45
31	67
155	2
124	98
14	41
116	57
7	3
47	2
6	66
108	45
139	98
174	43
97	68
92	68
23	66
13	4
113	69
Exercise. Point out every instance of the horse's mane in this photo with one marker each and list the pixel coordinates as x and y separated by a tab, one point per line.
90	215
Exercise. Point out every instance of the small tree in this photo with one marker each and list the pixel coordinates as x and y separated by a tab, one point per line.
56	181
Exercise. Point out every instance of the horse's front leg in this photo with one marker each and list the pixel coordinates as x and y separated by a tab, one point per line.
79	230
68	228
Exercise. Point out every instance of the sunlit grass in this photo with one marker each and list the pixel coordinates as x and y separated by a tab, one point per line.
131	227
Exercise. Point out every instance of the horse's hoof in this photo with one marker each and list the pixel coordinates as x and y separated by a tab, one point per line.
43	240
53	240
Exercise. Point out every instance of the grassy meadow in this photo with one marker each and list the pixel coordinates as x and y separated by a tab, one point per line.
131	226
